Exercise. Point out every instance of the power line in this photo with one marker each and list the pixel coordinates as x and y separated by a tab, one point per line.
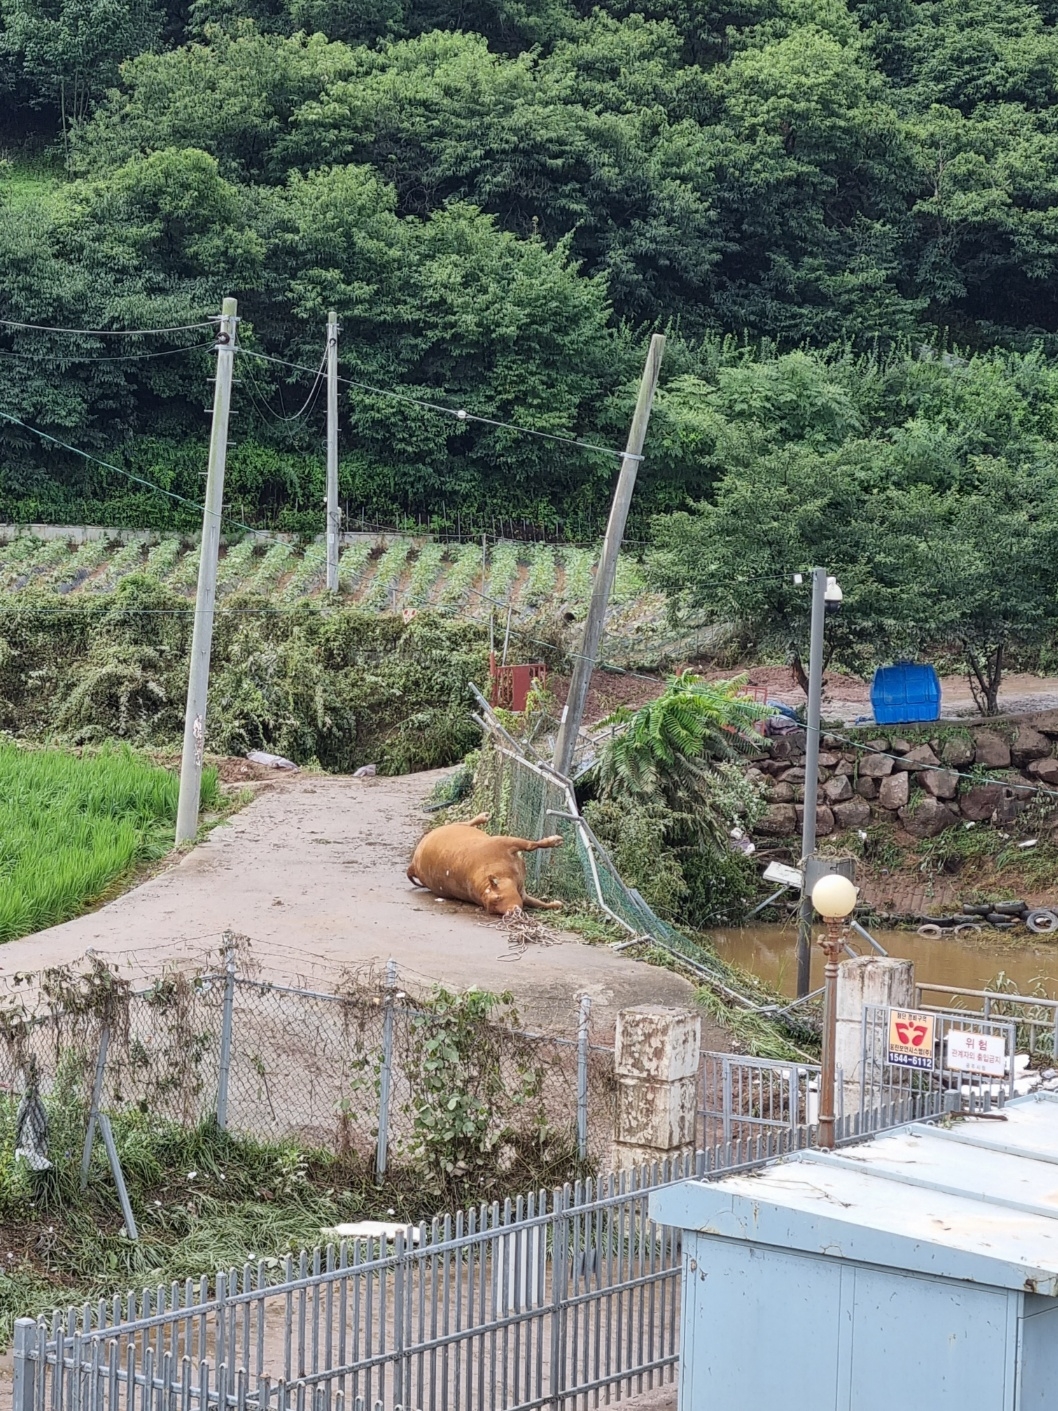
118	470
458	413
118	358
306	406
106	332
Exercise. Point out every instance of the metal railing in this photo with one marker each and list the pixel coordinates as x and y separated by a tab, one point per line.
891	1094
560	1300
1035	1017
739	1097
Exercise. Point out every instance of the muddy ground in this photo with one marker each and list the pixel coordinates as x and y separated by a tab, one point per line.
313	873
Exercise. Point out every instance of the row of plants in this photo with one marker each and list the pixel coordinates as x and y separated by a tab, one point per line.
383	574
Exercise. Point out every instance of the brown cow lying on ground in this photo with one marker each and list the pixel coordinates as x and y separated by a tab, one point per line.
458	860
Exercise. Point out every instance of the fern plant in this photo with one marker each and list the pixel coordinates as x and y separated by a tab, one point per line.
673	752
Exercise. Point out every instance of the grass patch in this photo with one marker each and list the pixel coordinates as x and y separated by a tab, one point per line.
71	826
204	1201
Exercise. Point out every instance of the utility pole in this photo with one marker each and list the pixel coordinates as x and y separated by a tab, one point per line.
808	830
573	712
333	514
202	638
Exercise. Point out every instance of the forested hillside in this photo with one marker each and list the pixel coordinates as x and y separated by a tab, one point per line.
502	199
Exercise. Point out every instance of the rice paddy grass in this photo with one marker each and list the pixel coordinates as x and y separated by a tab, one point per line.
73	826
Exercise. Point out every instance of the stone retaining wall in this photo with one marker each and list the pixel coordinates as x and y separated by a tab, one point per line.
923	779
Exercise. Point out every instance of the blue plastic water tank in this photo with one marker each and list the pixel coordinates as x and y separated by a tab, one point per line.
905	693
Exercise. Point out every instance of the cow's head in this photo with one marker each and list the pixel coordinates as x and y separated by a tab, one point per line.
501	896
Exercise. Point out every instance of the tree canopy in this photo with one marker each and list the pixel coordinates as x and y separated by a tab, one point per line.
841	211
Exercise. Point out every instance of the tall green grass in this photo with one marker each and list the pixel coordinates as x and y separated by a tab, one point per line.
71	826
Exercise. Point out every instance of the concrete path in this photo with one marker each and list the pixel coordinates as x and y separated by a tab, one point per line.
313	872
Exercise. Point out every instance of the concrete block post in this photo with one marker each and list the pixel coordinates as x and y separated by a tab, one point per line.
656	1051
869	979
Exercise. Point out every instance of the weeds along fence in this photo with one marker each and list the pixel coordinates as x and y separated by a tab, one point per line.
367	1070
526	798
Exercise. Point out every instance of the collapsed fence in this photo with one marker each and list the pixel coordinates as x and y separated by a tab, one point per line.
527	798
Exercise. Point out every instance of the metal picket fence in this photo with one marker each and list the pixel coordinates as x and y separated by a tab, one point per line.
890	1094
564	1299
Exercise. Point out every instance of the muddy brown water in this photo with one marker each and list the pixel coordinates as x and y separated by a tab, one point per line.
769	951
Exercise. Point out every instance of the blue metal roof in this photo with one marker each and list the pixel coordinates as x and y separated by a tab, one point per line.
976	1201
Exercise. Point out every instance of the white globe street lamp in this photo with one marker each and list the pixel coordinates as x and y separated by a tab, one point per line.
834	898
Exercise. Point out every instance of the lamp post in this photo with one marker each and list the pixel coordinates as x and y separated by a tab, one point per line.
826	597
834	898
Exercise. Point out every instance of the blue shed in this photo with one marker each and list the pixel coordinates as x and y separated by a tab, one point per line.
905	693
919	1269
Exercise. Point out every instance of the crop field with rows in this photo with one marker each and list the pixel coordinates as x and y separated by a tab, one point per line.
381	574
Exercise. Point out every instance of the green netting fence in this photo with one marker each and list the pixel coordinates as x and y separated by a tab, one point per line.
526	798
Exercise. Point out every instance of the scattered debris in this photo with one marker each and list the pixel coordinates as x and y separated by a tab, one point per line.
274	761
523	931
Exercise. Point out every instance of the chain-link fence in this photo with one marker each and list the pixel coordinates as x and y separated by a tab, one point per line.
367	1070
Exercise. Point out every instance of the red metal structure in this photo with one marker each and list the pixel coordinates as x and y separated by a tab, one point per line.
511	684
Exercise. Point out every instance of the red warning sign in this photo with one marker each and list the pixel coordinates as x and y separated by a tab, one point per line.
910	1038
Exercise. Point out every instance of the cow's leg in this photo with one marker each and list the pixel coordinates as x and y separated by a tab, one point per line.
527	900
526	845
478	822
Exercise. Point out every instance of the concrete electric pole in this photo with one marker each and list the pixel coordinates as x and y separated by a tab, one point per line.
573	713
202	640
333	513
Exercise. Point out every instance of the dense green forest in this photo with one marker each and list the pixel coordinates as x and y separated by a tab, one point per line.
842	214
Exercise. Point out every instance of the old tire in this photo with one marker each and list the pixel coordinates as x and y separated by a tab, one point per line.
930	930
1042	922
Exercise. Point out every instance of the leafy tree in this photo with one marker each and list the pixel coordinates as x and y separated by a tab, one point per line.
70	50
994	583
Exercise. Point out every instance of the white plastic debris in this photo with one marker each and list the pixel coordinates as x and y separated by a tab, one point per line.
31	1131
370	1230
366	771
274	761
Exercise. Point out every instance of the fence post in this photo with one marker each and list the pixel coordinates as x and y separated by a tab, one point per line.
27	1368
385	1074
656	1059
97	1098
867	981
227	1019
559	1295
582	1077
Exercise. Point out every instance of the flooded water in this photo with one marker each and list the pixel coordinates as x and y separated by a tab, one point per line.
769	951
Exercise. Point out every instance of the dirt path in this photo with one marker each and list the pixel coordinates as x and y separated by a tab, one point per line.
313	873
